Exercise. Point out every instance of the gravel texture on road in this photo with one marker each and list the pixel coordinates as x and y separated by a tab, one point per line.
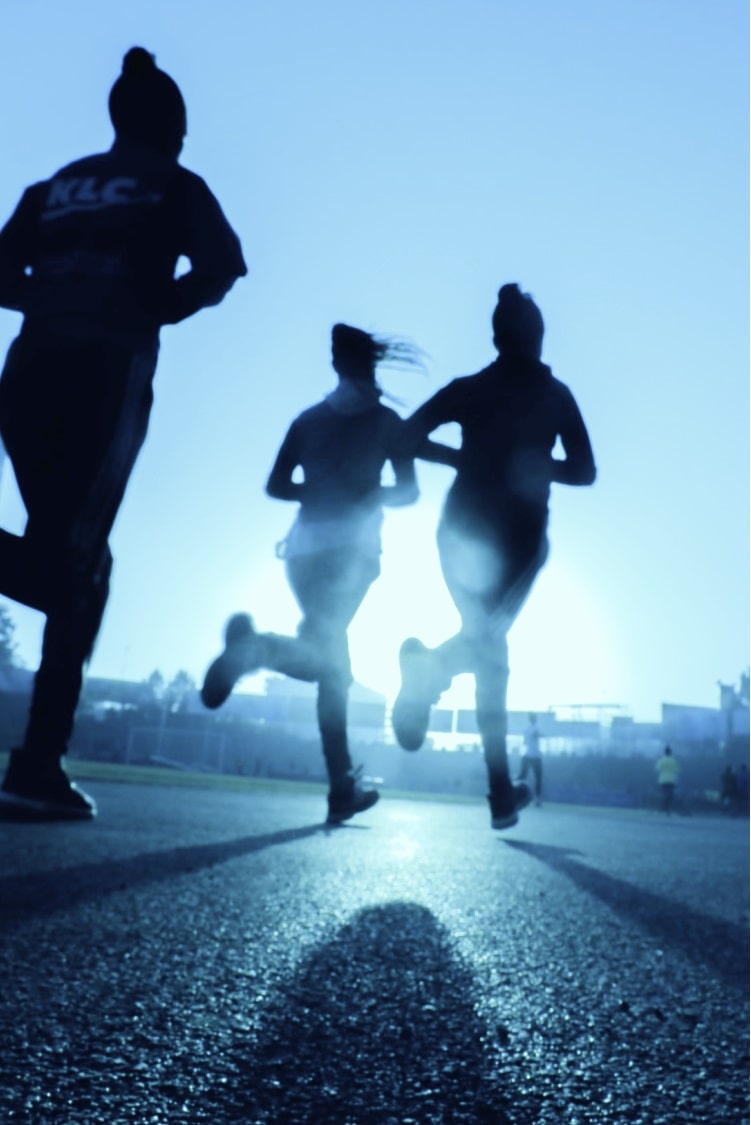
211	956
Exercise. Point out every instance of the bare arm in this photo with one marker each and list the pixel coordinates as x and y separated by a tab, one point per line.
438	452
404	490
280	485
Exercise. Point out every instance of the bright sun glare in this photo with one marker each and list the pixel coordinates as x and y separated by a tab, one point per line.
563	648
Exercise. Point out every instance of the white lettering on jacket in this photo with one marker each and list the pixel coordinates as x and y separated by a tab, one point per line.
91	194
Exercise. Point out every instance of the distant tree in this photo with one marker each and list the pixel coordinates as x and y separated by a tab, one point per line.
169	696
8	649
156	685
179	687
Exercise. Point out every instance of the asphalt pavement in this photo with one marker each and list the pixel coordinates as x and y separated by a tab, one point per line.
210	956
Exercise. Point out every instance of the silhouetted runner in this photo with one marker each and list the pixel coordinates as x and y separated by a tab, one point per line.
492	536
531	760
332	553
89	258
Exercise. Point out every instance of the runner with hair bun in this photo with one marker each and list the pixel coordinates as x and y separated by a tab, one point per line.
89	259
492	536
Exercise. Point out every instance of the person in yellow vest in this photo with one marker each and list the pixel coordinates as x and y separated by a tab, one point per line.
667	775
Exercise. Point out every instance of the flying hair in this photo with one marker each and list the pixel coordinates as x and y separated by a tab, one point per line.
397	351
357	353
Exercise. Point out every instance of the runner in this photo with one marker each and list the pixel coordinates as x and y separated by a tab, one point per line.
89	258
532	757
492	536
332	553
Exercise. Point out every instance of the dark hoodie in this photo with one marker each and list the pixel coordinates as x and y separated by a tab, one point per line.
91	253
511	414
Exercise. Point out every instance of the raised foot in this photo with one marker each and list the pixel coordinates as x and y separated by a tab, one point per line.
411	714
241	656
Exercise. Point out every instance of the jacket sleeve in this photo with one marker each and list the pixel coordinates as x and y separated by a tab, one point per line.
578	466
211	246
17	248
437	411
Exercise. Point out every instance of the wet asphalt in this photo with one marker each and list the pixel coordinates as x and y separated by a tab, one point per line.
199	955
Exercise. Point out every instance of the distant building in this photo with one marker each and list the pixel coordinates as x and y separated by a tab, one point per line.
16	681
691	724
291	705
626	736
704	724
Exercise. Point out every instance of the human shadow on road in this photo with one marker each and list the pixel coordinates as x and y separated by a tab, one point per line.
377	1025
44	892
718	945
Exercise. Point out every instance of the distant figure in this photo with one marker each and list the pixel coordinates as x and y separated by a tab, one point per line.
532	757
492	536
332	553
89	258
667	775
729	790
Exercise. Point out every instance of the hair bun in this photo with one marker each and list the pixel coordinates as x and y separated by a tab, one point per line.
146	105
518	327
509	291
138	61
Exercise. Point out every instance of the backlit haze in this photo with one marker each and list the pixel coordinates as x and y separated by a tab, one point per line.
390	164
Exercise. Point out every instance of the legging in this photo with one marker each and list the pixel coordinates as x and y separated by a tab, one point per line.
73	417
489	578
329	587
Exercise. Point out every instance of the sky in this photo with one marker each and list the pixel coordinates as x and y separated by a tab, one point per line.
390	164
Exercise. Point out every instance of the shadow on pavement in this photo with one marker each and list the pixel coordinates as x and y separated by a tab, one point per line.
45	892
376	1026
717	945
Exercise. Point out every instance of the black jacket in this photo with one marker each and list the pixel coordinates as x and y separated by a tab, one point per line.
511	415
92	252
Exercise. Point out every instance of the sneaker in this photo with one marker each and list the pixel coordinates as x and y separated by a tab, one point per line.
239	658
504	811
351	800
411	714
37	789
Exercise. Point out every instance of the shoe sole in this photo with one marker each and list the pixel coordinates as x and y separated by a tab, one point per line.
410	717
408	725
224	672
217	685
501	822
16	807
